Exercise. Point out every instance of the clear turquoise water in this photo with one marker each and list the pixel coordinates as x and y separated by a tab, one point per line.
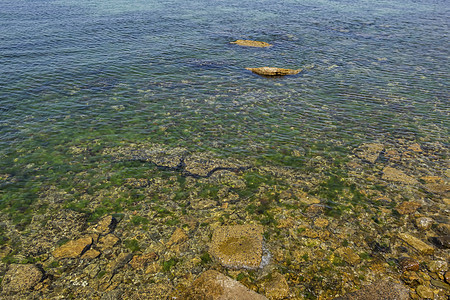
95	73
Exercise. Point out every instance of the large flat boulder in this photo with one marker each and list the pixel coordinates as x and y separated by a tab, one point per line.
213	285
238	246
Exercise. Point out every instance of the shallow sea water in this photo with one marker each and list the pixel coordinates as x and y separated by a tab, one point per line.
79	77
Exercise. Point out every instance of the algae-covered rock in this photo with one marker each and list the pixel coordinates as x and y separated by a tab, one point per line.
213	285
21	278
275	287
250	43
273	71
238	246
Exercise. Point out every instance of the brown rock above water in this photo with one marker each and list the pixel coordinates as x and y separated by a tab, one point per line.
213	285
73	249
21	278
238	246
272	71
386	290
250	43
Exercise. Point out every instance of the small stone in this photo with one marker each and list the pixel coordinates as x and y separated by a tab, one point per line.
348	255
272	71
391	174
408	264
379	290
213	285
407	207
315	209
443	228
238	246
424	223
447	276
321	222
250	43
415	147
369	152
21	278
91	254
417	244
105	225
73	249
442	241
153	268
424	292
440	284
141	261
277	287
178	237
107	242
437	266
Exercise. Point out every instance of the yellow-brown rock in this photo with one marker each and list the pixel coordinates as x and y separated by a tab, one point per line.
91	254
141	261
407	207
73	249
348	255
277	287
107	241
273	71
178	237
238	246
213	285
250	43
417	244
395	175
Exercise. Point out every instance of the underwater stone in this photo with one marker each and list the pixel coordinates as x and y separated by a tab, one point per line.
379	290
178	236
277	287
424	292
213	285
273	71
238	246
408	264
417	244
424	223
407	207
250	43
105	225
369	152
74	248
21	278
391	174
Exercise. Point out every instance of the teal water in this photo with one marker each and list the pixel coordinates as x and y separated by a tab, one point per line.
95	74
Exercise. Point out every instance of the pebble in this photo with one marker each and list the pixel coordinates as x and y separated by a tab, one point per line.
424	292
424	223
385	289
408	264
277	287
437	266
391	174
406	208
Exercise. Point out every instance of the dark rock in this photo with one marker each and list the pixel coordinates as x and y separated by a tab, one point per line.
408	264
386	290
441	241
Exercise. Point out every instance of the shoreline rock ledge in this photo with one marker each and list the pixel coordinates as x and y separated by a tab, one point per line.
273	71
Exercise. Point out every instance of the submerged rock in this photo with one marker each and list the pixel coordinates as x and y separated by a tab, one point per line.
250	43
407	207
203	165
387	290
272	71
213	285
391	174
276	287
417	244
238	246
21	278
408	264
74	248
369	152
